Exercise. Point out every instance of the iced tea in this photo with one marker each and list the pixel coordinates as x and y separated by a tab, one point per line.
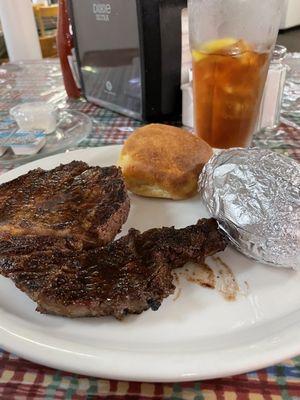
229	78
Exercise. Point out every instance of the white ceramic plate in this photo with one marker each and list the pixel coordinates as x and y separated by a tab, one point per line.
200	335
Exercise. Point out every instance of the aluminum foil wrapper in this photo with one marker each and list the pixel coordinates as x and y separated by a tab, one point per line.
255	196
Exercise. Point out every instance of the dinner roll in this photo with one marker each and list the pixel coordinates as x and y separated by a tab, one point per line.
163	161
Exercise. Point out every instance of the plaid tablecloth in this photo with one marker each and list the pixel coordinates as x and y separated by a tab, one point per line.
21	379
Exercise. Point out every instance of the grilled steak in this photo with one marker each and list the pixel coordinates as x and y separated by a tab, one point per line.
129	275
71	206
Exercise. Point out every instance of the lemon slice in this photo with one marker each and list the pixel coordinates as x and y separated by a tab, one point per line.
197	55
212	46
217	45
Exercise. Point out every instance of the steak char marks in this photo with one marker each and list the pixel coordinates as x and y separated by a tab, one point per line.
73	206
56	229
129	275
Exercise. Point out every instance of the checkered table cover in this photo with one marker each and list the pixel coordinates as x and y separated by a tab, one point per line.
21	379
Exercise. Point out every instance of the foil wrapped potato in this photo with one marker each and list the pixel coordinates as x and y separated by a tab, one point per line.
255	195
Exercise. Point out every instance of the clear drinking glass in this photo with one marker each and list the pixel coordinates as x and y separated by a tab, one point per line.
231	43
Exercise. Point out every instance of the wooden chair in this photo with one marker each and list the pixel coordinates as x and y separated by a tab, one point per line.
44	15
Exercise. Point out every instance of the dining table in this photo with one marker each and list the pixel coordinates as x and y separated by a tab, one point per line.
20	379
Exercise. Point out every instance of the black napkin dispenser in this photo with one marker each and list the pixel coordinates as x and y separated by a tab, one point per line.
129	55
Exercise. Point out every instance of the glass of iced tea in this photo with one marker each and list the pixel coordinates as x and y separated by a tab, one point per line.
231	42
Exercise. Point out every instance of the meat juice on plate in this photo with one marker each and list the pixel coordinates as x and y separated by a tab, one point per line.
229	77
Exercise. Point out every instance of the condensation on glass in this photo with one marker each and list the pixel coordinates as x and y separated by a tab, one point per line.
231	42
